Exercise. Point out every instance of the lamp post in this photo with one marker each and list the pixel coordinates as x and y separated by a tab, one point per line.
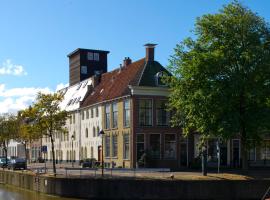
72	156
102	158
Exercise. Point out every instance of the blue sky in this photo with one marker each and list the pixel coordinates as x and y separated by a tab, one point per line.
36	36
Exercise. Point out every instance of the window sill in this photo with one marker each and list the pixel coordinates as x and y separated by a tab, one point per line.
126	159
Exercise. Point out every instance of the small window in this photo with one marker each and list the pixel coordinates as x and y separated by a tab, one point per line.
94	132
70	102
96	56
92	112
90	55
85	84
74	100
83	69
79	98
158	78
96	111
86	132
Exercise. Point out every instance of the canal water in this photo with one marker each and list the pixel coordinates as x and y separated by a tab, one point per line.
13	193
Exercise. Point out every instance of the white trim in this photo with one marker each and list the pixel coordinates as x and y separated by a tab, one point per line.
151	91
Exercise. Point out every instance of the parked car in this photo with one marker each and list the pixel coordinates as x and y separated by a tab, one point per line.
4	162
89	162
17	163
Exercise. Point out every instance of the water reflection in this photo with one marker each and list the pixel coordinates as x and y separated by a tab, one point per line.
12	193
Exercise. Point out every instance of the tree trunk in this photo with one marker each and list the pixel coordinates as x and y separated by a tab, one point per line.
204	161
5	149
244	151
25	152
243	134
53	155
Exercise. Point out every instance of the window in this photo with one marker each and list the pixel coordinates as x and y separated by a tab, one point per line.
126	146
92	113
115	115
107	146
155	146
96	56
70	119
265	151
158	78
82	115
94	132
114	146
126	113
74	135
161	113
140	146
70	102
92	152
98	130
96	111
73	118
87	114
212	148
107	116
170	146
86	132
145	112
90	56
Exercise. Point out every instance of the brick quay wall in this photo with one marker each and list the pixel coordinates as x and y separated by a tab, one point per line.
124	188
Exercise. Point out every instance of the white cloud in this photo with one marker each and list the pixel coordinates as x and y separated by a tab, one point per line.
60	86
14	99
8	68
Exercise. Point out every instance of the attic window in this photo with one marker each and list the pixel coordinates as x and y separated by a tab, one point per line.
79	86
70	102
74	101
158	79
85	84
78	99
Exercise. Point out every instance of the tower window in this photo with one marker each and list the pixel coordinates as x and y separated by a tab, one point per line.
90	56
83	69
96	56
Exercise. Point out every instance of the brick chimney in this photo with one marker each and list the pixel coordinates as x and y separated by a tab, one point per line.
150	52
127	61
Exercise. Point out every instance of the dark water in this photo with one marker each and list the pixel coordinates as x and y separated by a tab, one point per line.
13	193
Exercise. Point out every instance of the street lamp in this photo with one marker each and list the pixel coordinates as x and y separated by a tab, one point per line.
102	158
72	156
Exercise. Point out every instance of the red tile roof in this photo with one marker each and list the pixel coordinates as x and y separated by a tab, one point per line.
115	83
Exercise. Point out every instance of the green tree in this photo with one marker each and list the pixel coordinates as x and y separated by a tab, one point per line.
221	81
27	131
50	119
8	130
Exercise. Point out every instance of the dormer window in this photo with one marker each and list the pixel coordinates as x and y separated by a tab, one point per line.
79	86
158	79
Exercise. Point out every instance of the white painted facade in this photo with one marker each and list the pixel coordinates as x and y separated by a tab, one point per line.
82	145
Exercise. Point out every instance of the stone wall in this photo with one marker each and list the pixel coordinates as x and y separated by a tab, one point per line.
98	188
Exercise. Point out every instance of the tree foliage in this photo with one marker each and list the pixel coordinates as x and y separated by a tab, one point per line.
221	81
49	118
